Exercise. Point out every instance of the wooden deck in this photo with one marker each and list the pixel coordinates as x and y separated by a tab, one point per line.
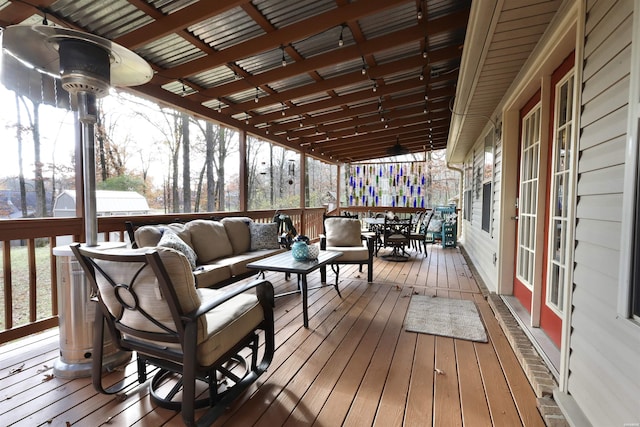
354	366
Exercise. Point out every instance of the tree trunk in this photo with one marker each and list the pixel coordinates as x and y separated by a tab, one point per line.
211	195
23	190
222	154
199	189
100	134
175	195
41	197
186	165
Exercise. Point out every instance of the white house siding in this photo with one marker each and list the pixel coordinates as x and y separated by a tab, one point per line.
603	363
479	244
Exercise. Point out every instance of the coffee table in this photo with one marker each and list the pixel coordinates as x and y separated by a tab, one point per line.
285	263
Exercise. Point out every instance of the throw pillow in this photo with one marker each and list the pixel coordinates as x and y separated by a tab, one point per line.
264	236
171	240
343	232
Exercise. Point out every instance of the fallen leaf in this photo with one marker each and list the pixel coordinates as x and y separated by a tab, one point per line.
16	370
48	377
439	371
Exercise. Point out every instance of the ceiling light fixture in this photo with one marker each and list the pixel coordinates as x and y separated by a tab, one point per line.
356	130
219	106
364	67
375	86
283	109
284	60
257	98
246	119
341	40
420	11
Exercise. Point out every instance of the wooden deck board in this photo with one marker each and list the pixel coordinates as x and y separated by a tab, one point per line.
354	365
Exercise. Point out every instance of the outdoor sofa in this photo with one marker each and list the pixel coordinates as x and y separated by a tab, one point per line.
218	250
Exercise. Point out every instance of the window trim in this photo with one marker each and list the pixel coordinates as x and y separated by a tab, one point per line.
631	193
489	139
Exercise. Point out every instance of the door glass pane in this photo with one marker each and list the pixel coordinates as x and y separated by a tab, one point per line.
559	247
530	156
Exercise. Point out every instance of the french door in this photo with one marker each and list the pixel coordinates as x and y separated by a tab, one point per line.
558	250
543	248
527	209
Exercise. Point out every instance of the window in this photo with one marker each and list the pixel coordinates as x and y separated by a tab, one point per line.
487	180
468	189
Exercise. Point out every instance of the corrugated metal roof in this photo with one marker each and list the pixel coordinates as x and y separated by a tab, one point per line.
227	29
196	47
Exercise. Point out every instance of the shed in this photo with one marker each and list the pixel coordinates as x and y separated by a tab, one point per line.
108	203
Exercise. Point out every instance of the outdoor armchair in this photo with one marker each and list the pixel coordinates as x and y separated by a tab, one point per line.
150	305
344	234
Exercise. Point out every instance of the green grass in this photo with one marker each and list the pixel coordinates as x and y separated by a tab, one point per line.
20	285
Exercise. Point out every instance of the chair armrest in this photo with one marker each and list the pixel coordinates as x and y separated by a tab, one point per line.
370	243
323	242
264	291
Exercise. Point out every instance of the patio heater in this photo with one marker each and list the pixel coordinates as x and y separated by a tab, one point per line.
87	65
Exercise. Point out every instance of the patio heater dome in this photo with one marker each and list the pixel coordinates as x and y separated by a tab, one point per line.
87	66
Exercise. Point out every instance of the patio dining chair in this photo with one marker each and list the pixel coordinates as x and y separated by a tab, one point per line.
419	236
397	235
204	342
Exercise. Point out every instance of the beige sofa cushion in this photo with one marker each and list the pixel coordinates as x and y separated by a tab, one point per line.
150	235
208	275
350	253
238	233
238	263
343	231
209	240
228	323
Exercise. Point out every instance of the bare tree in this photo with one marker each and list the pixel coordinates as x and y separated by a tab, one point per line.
38	182
186	164
23	190
209	141
171	130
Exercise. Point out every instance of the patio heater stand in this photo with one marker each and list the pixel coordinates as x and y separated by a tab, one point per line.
87	65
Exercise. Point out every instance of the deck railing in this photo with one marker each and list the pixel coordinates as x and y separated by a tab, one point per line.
29	297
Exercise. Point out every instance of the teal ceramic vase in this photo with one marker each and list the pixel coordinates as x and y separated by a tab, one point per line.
299	251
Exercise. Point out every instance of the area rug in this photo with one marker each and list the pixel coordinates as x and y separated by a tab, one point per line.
445	317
